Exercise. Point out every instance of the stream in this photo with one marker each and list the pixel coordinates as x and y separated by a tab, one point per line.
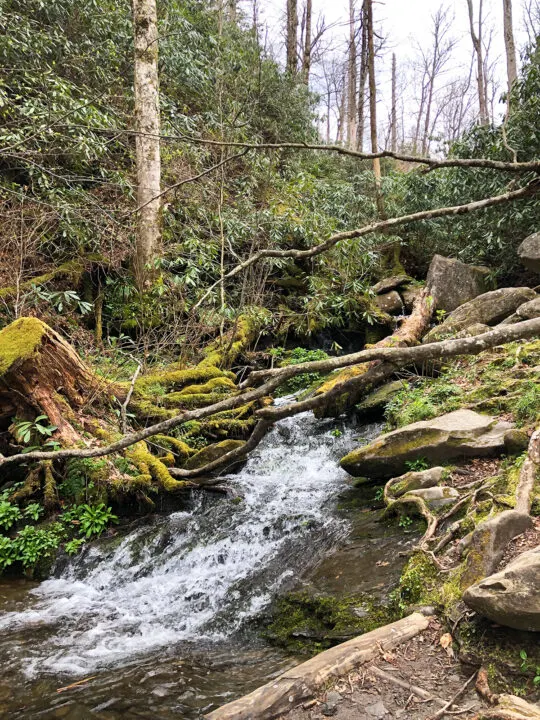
164	619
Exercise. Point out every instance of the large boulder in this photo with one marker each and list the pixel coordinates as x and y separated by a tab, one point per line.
529	252
390	283
486	544
511	597
452	283
489	309
462	433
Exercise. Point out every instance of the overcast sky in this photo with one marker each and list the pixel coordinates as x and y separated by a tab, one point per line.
406	23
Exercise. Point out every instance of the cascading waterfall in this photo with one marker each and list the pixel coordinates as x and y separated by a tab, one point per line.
198	575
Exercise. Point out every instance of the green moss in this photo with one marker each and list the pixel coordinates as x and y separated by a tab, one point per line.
149	465
20	341
72	270
213	452
216	384
179	447
177	378
305	623
418	584
191	401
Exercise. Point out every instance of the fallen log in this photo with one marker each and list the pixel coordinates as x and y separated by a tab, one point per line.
302	682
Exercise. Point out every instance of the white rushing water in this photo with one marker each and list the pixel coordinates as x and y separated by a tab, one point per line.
197	575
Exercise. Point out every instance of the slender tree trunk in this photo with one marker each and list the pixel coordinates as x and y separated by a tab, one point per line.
292	32
393	120
477	45
306	60
342	110
328	109
362	84
511	63
147	145
352	80
373	108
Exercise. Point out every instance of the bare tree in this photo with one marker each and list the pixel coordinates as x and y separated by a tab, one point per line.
510	47
147	124
373	107
291	39
361	102
531	20
393	110
352	79
306	56
476	37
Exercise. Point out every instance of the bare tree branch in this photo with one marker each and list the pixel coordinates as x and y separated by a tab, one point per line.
382	225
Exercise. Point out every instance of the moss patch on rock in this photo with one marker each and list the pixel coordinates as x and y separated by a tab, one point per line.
19	341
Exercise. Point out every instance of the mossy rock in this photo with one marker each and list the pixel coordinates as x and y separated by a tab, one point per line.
20	341
213	452
375	403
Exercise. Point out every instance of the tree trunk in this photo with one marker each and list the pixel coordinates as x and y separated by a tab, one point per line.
41	373
373	108
352	80
306	60
362	84
292	32
511	63
393	120
477	45
147	144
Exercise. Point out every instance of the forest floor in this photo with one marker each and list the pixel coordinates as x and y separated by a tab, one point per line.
422	662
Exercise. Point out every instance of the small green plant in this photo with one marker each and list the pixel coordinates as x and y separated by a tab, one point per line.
32	430
31	544
405	522
9	514
440	315
526	666
94	519
33	511
63	300
336	432
379	495
73	546
417	465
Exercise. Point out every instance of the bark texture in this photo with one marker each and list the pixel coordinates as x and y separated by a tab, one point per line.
147	144
509	44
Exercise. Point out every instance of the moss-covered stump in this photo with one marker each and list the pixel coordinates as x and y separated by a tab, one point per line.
42	374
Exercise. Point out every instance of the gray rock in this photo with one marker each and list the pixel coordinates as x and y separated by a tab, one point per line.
529	310
377	711
390	283
510	320
515	441
490	308
409	296
375	403
487	543
473	330
416	480
436	497
452	283
462	433
511	597
390	302
529	252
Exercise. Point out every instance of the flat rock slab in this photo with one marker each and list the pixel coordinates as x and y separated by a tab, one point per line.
390	283
302	682
463	433
511	597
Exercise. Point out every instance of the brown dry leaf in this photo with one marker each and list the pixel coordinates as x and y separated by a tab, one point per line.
381	563
389	657
445	640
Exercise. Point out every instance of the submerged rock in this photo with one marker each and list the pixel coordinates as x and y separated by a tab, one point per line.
511	597
453	283
529	252
462	433
490	308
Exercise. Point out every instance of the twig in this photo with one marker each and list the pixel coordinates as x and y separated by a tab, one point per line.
76	684
123	409
449	704
424	694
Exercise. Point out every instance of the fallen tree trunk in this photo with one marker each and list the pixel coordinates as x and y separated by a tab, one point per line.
394	356
302	682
